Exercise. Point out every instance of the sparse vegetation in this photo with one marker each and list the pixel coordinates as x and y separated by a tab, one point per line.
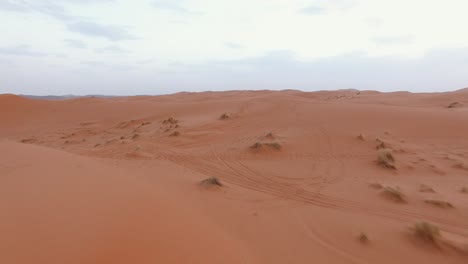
385	158
363	238
135	136
361	137
212	181
274	145
426	231
175	134
224	116
170	120
426	189
439	203
394	194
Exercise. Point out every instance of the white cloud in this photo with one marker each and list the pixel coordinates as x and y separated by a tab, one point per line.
203	32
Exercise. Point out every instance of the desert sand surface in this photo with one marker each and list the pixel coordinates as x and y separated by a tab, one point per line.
305	177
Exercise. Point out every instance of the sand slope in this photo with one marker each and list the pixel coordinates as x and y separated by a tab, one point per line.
61	208
93	180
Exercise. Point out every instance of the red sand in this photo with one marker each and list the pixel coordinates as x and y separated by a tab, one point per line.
102	181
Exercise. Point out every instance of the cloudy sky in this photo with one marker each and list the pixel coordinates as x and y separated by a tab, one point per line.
163	46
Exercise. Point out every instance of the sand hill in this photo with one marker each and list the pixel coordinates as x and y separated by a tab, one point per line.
235	177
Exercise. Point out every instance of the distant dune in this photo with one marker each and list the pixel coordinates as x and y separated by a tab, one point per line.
235	177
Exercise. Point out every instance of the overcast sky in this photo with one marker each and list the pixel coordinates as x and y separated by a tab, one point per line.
123	47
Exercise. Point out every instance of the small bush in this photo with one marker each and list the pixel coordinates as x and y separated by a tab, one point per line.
426	231
212	181
361	137
394	194
425	188
385	158
439	203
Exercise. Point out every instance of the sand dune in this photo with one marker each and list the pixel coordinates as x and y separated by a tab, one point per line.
116	180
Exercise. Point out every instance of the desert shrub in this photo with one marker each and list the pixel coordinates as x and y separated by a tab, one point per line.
170	120
212	181
394	194
363	238
464	190
385	158
256	145
224	116
274	145
175	134
426	231
453	105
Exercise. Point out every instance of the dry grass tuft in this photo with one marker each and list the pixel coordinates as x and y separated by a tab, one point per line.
175	134
224	116
394	194
454	104
270	135
426	189
274	145
363	238
439	203
212	181
170	120
258	145
376	185
380	144
385	158
461	165
426	231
